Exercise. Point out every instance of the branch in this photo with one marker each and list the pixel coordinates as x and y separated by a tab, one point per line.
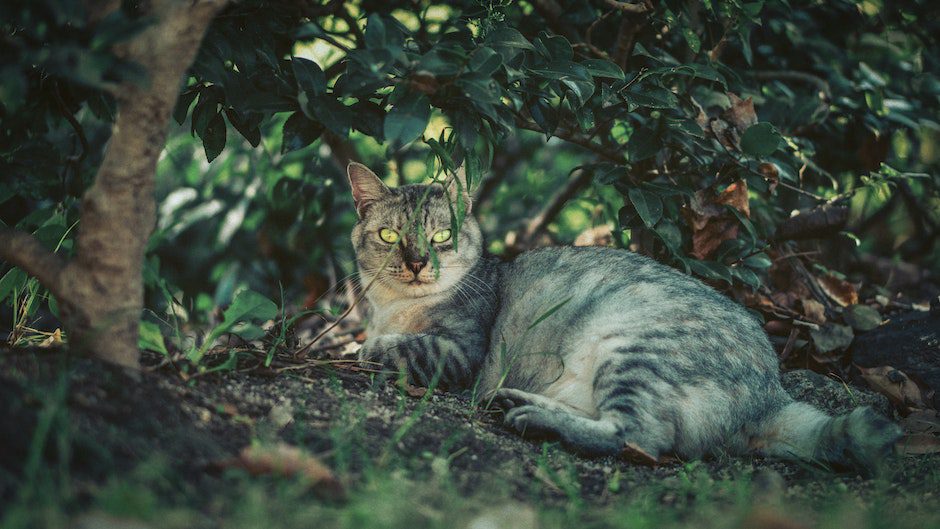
23	250
791	75
579	179
571	138
817	223
627	7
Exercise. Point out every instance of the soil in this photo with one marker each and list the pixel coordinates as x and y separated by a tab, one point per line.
118	420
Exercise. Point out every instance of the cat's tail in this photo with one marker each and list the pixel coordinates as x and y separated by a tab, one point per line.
861	440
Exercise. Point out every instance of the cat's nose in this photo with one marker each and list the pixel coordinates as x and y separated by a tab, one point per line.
415	266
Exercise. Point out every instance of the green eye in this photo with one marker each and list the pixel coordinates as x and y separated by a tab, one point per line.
441	236
389	236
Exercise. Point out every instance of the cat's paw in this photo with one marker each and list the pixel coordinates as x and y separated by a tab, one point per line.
380	352
872	437
531	421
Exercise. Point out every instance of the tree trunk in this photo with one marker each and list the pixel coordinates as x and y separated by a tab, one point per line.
100	292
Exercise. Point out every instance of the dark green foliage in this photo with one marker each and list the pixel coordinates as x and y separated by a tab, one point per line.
659	106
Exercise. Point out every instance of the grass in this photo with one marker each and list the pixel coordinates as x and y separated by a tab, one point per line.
427	464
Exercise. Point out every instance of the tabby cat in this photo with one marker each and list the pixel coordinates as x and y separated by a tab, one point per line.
599	348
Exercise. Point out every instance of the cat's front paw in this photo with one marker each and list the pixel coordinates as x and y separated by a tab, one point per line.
380	352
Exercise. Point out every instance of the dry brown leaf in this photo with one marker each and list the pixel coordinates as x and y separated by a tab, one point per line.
53	340
898	387
922	421
415	391
842	292
711	223
919	443
741	113
288	461
771	174
636	455
813	310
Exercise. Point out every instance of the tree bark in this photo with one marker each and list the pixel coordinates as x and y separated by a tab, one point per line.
100	292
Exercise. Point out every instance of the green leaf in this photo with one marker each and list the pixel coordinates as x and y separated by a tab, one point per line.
691	38
759	261
508	42
151	339
832	337
602	68
408	118
485	61
248	304
310	78
299	132
862	317
710	270
375	32
182	105
331	113
760	139
746	276
14	280
648	205
213	138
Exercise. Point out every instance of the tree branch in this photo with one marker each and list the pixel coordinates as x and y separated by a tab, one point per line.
627	7
571	138
23	250
579	179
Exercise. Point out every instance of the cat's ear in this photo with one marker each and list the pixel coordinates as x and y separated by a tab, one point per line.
367	188
457	186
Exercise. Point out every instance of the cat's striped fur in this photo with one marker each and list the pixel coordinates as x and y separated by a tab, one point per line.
597	347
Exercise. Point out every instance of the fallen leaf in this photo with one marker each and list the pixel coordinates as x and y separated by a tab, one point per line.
288	461
919	443
813	310
862	317
415	391
832	337
842	292
922	421
636	455
898	387
53	340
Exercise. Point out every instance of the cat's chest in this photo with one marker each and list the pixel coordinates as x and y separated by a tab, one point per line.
401	318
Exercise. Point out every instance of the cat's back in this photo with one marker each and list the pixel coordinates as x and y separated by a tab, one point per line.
571	303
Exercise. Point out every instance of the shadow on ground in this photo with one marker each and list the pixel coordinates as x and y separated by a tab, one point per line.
82	442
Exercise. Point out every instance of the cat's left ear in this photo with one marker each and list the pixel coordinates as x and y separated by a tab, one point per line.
458	187
367	188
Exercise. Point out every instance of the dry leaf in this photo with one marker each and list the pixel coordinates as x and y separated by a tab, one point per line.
922	421
711	223
842	292
53	340
636	455
898	387
288	461
741	113
814	310
919	443
415	391
771	174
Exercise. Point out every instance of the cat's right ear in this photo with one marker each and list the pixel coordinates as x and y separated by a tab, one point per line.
367	188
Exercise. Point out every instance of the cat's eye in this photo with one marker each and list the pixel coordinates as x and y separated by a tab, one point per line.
388	235
441	236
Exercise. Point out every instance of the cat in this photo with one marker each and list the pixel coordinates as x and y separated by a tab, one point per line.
602	349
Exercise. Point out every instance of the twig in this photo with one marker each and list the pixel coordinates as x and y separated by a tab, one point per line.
570	138
535	227
76	126
793	75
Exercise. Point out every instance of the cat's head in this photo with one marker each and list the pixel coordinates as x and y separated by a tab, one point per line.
398	229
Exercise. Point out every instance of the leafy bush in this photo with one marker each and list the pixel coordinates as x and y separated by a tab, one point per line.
692	129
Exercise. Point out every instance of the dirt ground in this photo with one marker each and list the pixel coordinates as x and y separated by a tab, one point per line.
116	422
